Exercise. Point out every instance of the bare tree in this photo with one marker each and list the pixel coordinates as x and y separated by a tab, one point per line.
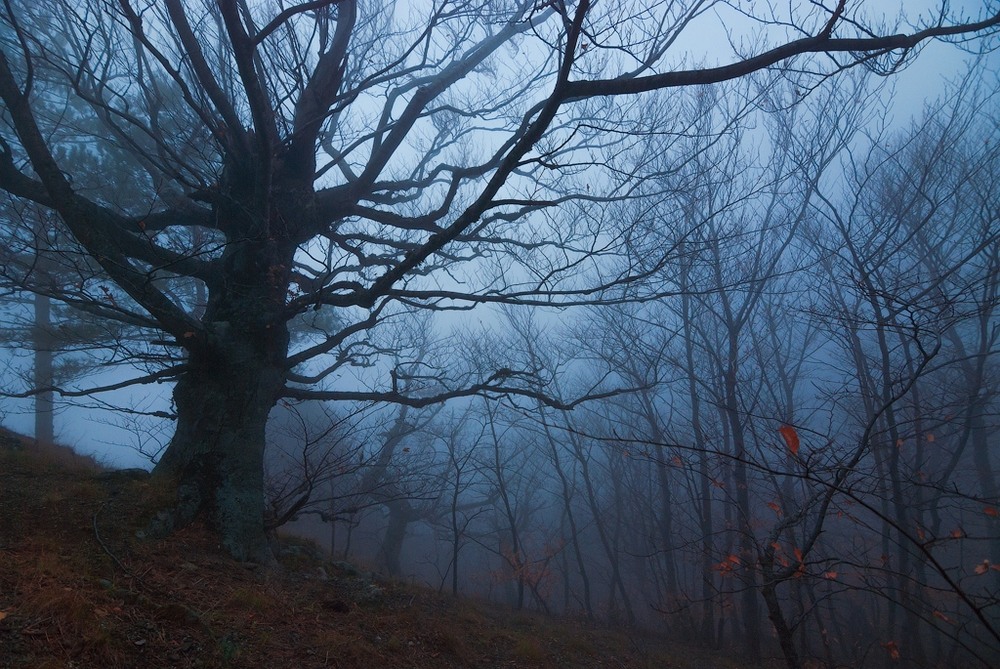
911	255
463	495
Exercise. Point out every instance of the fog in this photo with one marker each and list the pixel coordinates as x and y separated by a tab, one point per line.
486	301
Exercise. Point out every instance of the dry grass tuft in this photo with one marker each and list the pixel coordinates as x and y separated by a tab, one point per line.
45	456
529	651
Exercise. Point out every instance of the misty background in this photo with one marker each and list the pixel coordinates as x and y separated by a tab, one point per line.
790	362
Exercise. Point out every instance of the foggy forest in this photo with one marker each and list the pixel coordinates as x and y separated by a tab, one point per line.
546	304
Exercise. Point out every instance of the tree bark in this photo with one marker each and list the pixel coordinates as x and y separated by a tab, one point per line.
781	627
217	452
401	514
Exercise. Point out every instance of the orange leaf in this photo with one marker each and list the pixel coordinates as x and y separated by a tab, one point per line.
773	506
727	565
957	533
831	575
791	438
991	511
892	648
3	614
797	553
983	567
930	438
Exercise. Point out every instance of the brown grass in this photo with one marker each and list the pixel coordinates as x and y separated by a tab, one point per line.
73	597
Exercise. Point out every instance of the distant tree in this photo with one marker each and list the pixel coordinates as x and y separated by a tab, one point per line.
911	295
66	339
365	158
463	495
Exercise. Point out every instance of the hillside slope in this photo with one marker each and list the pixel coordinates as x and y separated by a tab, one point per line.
77	589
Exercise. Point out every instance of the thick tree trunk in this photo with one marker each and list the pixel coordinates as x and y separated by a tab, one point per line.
401	514
217	452
235	371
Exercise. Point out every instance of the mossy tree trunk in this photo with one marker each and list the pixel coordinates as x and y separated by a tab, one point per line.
235	373
217	452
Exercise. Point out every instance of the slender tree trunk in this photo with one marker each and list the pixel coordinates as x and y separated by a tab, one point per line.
902	603
769	592
666	519
706	519
567	501
456	531
351	524
616	536
616	585
515	558
751	613
333	518
456	547
42	342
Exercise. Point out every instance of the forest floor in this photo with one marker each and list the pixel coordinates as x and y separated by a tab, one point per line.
78	589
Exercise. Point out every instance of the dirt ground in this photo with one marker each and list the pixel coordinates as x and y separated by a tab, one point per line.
78	589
